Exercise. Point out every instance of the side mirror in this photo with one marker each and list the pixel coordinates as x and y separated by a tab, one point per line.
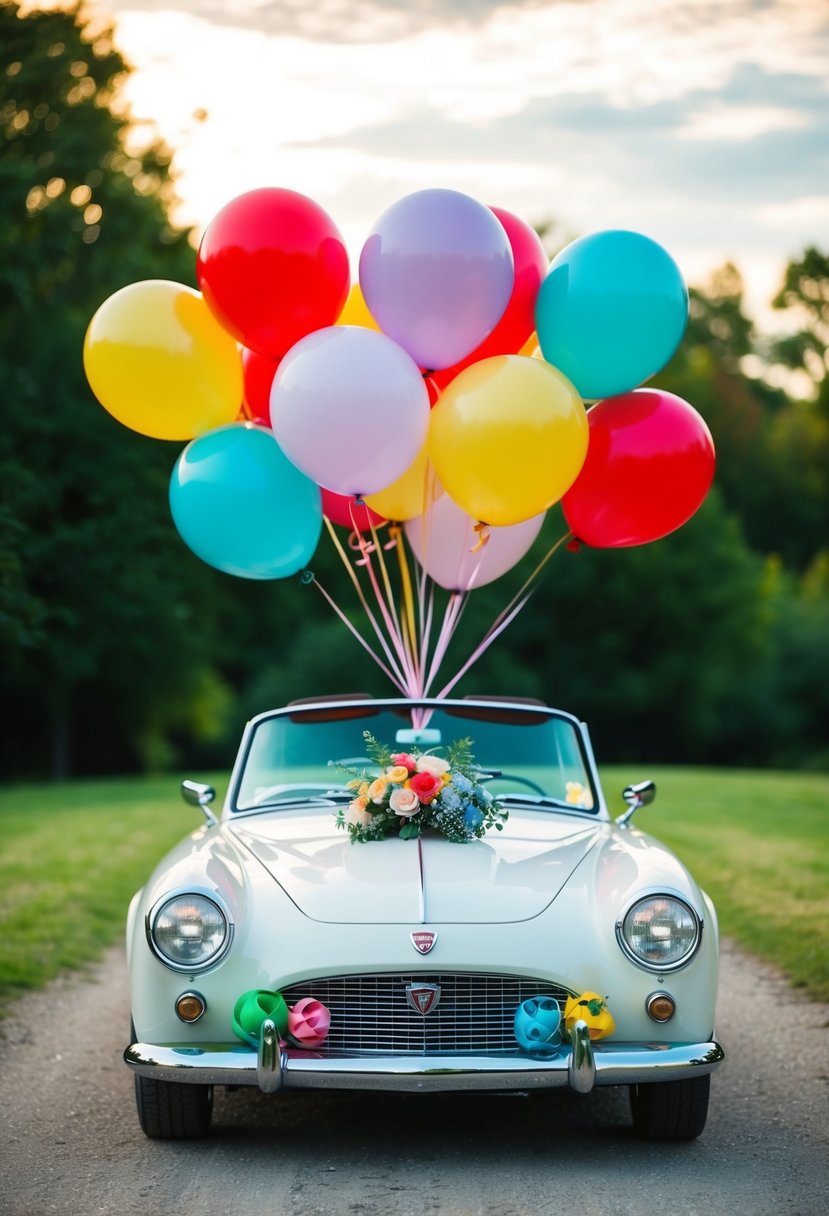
196	794
636	796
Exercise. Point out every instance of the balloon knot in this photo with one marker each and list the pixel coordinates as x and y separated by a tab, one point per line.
484	533
573	545
306	577
359	501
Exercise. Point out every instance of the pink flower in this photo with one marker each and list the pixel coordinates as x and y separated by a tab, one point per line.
404	802
425	786
406	760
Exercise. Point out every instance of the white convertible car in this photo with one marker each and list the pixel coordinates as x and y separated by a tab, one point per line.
562	949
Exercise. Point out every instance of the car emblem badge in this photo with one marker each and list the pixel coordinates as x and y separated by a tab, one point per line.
423	998
423	941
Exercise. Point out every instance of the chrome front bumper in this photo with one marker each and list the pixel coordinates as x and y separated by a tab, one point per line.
579	1064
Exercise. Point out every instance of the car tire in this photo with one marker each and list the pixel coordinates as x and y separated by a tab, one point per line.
670	1110
169	1110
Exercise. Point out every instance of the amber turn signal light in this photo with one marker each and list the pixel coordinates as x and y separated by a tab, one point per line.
190	1006
661	1006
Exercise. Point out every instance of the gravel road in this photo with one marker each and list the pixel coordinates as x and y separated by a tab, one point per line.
72	1144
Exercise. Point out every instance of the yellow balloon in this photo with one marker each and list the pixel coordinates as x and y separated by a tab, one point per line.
531	345
411	495
158	360
508	438
355	311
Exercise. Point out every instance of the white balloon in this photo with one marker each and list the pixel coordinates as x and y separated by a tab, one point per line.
443	540
349	407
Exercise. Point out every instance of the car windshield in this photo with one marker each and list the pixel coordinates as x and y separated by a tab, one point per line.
527	753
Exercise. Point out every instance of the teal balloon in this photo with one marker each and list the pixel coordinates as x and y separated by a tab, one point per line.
240	504
611	312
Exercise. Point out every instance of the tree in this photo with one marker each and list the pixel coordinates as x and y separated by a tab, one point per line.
99	625
805	293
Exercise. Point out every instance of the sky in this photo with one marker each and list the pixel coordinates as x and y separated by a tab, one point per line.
702	123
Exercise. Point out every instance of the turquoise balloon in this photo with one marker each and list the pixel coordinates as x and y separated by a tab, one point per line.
242	506
611	312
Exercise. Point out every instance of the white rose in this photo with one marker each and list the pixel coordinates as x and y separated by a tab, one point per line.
404	802
433	765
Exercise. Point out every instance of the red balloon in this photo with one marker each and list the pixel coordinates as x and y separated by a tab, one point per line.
344	510
257	377
650	463
273	267
518	321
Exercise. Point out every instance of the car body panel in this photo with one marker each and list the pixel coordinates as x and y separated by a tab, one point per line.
541	900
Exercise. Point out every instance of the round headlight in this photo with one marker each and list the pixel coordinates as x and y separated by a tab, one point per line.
660	932
189	931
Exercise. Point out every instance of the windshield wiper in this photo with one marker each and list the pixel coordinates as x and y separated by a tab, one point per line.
540	800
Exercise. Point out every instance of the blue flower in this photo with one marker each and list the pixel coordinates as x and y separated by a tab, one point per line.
473	818
462	783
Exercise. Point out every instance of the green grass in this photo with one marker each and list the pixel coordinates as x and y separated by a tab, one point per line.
758	842
73	854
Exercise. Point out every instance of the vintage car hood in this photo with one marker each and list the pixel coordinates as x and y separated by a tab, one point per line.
508	876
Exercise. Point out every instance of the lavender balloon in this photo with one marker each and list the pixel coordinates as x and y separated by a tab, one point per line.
350	409
437	273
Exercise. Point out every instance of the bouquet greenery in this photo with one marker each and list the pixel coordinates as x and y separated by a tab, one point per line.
406	793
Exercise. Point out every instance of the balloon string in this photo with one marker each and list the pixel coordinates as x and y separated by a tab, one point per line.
406	583
481	648
534	576
386	671
389	612
400	681
451	617
506	616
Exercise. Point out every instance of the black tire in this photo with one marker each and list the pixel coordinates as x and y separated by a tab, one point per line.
670	1110
169	1110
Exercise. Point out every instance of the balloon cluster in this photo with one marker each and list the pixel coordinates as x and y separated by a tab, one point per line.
446	390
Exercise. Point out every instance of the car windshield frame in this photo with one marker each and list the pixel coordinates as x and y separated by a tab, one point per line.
326	785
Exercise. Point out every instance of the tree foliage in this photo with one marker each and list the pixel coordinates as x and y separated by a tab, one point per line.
120	650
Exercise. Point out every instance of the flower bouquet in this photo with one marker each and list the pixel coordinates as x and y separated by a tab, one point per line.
409	792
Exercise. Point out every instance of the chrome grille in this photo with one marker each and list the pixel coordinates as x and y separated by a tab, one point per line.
371	1016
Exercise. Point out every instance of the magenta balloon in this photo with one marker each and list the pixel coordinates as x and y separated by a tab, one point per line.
350	409
437	273
442	541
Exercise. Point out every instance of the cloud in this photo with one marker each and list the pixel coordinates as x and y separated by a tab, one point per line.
340	21
665	143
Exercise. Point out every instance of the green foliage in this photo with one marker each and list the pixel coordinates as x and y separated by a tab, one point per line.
119	650
757	842
101	623
74	853
805	292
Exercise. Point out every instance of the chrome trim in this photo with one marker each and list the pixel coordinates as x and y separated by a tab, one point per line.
189	968
659	893
269	1058
614	1064
581	1068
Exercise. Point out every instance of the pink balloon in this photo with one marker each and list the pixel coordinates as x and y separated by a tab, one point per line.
442	541
437	273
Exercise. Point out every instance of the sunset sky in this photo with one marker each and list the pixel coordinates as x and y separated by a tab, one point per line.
703	123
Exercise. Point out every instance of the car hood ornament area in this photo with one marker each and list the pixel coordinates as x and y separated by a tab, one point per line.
423	998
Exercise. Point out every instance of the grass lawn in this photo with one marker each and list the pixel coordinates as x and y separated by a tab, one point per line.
74	853
758	842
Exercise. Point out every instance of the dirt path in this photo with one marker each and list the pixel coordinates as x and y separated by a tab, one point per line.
71	1142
